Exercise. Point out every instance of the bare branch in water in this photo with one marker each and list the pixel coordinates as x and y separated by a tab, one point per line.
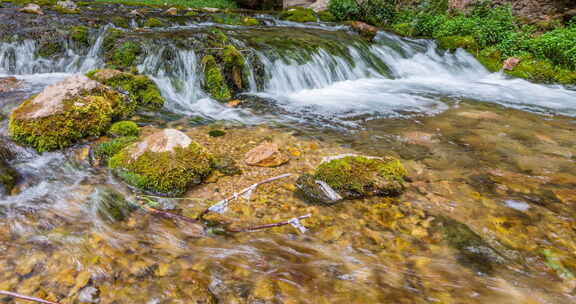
224	202
294	221
23	297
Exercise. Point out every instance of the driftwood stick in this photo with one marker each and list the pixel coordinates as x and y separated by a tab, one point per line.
23	297
169	215
238	194
266	226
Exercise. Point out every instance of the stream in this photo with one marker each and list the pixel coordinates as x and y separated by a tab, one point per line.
489	215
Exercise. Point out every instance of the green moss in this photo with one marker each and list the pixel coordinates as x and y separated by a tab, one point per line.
542	71
234	66
216	133
124	128
228	18
153	22
214	81
125	55
121	22
65	11
491	58
456	42
111	205
357	176
298	14
191	14
327	16
8	178
164	172
250	21
79	34
87	115
49	48
103	151
141	89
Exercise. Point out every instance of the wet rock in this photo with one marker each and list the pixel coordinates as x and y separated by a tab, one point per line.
171	11
140	88
67	4
8	178
480	115
352	176
317	191
32	9
66	112
226	165
210	9
8	84
266	155
365	30
511	63
165	162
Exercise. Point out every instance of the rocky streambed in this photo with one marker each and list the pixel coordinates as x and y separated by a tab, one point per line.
417	176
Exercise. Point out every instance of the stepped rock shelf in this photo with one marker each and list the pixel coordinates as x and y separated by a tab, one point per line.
173	155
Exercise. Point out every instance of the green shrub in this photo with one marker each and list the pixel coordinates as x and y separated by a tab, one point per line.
343	10
558	45
378	12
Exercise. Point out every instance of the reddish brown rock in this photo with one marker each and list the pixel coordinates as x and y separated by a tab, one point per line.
8	84
511	63
365	30
266	155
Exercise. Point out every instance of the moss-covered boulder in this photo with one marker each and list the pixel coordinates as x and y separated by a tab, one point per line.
299	14
66	112
456	42
124	128
234	67
120	50
141	89
214	81
80	35
166	162
352	176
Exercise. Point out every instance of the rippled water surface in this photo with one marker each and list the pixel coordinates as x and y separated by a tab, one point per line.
487	218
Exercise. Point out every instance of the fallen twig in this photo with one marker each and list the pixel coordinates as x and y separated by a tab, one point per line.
23	297
220	207
295	222
169	214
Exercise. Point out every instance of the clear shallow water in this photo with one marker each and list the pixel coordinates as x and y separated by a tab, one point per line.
474	157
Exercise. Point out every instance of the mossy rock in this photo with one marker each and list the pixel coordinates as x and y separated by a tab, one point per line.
119	52
359	176
153	22
79	34
166	162
81	109
47	49
542	71
456	42
140	88
234	66
214	81
124	128
491	58
298	14
122	22
101	152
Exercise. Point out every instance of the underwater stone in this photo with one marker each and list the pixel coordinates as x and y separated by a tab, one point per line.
165	162
266	155
352	176
65	112
111	205
8	178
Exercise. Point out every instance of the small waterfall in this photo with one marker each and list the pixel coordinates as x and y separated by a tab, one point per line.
339	82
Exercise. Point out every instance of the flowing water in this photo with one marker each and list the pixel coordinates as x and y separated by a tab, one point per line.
488	216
